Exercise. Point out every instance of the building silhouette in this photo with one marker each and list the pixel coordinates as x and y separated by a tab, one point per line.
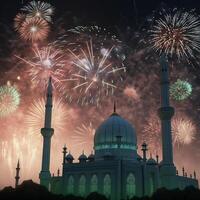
116	169
17	177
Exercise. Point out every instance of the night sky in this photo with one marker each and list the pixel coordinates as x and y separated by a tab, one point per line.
137	90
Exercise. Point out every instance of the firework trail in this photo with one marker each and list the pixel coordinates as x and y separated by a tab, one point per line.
176	33
14	148
9	100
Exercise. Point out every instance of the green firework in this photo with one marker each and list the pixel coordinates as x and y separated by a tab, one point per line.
180	90
9	100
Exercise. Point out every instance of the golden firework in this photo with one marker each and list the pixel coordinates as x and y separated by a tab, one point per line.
34	29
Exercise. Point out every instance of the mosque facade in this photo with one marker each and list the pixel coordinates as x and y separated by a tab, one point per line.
116	169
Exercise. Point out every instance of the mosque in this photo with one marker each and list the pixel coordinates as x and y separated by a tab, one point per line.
116	169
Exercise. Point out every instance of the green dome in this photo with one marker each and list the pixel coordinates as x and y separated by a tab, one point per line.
106	134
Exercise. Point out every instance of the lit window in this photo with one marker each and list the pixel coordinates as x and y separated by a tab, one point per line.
107	186
130	186
94	183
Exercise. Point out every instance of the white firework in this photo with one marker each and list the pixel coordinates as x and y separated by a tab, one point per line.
94	75
39	9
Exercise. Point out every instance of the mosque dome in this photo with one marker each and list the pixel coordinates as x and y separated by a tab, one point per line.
91	157
69	158
82	158
114	133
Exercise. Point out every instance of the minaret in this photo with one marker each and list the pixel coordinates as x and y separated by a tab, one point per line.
144	151
64	156
47	133
17	177
166	113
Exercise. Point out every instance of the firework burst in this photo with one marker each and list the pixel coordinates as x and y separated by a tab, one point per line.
152	135
180	90
102	39
183	132
93	75
46	62
36	114
39	9
132	93
84	136
176	34
9	100
34	29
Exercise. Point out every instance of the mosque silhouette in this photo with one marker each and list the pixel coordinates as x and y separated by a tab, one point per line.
115	169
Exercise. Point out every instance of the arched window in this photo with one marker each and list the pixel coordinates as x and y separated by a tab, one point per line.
152	183
130	186
94	183
82	185
70	185
107	186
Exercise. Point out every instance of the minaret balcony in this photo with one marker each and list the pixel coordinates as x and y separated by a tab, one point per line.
47	132
166	113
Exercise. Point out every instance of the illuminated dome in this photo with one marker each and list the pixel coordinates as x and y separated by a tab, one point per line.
106	135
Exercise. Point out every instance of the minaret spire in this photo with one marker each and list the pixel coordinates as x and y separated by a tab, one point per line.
114	108
144	151
47	133
64	156
48	110
17	177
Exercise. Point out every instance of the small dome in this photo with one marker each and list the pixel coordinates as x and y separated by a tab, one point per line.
151	161
69	157
82	157
91	157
